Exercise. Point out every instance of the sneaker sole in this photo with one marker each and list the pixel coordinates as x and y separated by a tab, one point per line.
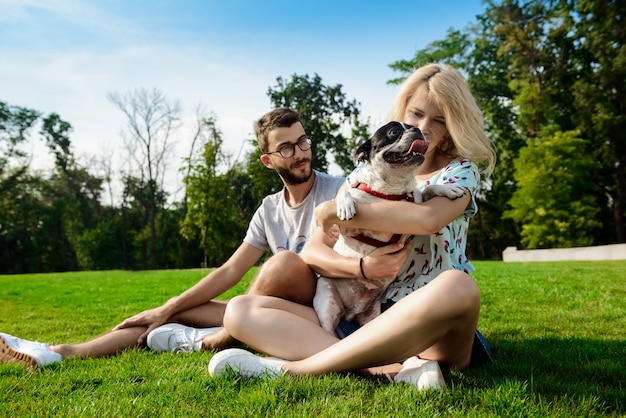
425	377
219	365
242	363
9	355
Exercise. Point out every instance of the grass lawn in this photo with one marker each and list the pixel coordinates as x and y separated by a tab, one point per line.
557	331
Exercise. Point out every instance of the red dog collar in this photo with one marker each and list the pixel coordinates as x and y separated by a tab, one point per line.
367	189
376	243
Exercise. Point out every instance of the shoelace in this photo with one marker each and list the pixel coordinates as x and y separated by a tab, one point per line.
185	344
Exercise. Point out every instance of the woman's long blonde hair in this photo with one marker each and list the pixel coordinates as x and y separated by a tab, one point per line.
447	87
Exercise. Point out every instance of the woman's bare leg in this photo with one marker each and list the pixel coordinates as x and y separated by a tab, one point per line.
276	326
284	275
437	322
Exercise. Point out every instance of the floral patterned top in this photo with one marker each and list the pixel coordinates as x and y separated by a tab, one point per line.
445	250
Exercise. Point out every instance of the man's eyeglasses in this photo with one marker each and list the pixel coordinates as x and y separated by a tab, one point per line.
288	150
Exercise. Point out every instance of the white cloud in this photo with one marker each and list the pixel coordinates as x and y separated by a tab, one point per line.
66	56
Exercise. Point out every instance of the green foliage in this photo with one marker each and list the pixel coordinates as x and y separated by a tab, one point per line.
151	120
98	247
325	112
452	50
598	96
553	201
15	124
23	218
217	211
56	133
556	331
533	66
266	180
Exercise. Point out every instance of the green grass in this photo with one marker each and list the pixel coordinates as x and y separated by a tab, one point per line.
557	330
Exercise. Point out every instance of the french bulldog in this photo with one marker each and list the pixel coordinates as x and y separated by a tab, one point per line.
390	159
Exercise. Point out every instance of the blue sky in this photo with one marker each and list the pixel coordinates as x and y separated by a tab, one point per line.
65	56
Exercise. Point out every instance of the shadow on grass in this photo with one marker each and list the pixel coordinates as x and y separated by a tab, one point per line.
555	368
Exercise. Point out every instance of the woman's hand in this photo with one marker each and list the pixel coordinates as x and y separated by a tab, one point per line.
387	261
326	216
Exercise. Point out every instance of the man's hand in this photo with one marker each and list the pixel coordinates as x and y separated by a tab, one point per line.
151	318
387	261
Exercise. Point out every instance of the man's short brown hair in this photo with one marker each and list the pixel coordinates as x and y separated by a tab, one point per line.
282	117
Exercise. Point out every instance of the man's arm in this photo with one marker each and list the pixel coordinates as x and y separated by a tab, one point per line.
209	287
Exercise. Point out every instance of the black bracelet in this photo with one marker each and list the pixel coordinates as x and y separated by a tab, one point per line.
361	266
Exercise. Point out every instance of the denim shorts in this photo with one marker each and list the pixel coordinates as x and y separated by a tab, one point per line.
481	352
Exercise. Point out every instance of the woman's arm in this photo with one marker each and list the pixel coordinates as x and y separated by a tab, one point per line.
382	263
397	217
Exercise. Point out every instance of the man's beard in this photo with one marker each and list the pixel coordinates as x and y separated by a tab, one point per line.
293	179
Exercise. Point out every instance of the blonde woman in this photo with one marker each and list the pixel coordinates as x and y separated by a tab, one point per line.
421	326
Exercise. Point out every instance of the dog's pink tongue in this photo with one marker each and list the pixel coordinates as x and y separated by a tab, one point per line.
418	146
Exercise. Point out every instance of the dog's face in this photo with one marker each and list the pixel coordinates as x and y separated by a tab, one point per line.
394	144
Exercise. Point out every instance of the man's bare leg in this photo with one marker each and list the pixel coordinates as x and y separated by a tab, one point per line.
107	344
285	275
112	342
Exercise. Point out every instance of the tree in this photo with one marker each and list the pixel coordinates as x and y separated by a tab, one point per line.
555	65
475	53
151	121
15	125
567	70
216	212
554	202
598	96
42	218
325	114
56	134
23	221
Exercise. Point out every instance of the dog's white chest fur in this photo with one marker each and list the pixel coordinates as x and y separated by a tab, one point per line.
356	299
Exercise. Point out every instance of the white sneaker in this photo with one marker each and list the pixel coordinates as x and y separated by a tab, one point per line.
29	353
425	374
245	364
178	338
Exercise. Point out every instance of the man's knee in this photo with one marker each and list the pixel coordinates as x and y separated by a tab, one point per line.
287	276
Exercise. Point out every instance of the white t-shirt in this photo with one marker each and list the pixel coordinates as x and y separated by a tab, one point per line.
278	227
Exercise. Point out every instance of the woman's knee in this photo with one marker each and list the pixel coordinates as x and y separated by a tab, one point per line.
462	287
237	309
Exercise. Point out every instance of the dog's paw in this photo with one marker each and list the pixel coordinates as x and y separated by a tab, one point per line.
451	191
346	209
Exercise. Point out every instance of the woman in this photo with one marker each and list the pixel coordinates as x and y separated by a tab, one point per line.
421	326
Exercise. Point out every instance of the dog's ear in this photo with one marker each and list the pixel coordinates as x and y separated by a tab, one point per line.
362	153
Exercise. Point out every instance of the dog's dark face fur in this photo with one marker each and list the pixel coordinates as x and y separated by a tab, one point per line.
395	144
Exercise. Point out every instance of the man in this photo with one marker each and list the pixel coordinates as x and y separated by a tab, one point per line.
283	222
